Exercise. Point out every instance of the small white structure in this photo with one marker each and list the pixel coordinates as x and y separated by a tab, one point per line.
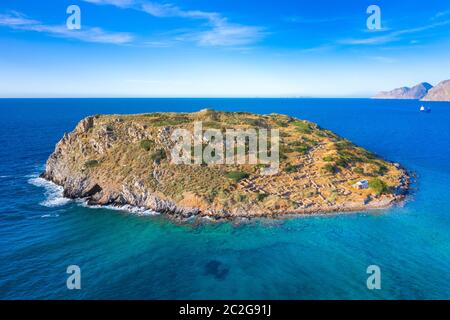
363	184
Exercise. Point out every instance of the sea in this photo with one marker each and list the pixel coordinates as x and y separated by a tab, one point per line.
130	254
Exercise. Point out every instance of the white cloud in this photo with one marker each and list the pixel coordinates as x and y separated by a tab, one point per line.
161	10
219	32
18	21
303	20
392	36
170	10
118	3
229	35
441	14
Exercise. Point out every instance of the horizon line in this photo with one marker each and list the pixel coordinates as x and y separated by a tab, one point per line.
187	97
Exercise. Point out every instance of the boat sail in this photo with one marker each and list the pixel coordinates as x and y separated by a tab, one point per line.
423	109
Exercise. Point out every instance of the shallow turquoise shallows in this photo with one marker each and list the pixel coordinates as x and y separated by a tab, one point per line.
122	255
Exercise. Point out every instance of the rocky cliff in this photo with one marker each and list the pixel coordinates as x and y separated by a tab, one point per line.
439	93
126	160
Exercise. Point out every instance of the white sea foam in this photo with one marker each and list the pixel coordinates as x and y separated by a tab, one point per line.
53	192
55	198
50	215
139	211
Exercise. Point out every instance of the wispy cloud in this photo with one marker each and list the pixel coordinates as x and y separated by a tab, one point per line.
18	21
216	30
229	35
118	3
382	59
392	36
170	10
441	14
303	20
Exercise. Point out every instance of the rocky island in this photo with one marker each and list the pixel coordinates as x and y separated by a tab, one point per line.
122	160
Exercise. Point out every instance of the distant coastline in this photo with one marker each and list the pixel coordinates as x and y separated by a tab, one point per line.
422	91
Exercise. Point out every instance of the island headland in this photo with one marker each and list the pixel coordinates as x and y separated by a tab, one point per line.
119	160
422	91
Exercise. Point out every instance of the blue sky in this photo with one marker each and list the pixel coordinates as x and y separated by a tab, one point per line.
220	48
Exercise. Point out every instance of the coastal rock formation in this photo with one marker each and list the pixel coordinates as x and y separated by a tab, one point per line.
441	92
417	92
126	160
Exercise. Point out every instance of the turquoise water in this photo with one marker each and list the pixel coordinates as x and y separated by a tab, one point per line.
122	255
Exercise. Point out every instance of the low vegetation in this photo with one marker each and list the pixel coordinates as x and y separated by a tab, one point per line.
237	176
378	186
329	168
158	155
147	145
91	163
303	127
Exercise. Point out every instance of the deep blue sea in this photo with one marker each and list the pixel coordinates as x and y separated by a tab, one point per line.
125	256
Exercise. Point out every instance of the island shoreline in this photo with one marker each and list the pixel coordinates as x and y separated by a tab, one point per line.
175	215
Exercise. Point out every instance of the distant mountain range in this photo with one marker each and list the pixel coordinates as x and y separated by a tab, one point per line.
417	92
422	91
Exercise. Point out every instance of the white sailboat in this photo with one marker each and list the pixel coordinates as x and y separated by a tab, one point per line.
423	109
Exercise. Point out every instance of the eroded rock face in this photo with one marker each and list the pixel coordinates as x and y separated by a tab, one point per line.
439	93
85	125
111	160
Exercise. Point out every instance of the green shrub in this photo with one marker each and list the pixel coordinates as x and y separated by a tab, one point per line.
378	186
158	155
349	156
343	144
261	196
359	170
91	163
303	127
329	168
160	119
310	142
147	144
382	170
211	196
302	149
328	159
239	197
285	148
341	162
236	176
291	168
